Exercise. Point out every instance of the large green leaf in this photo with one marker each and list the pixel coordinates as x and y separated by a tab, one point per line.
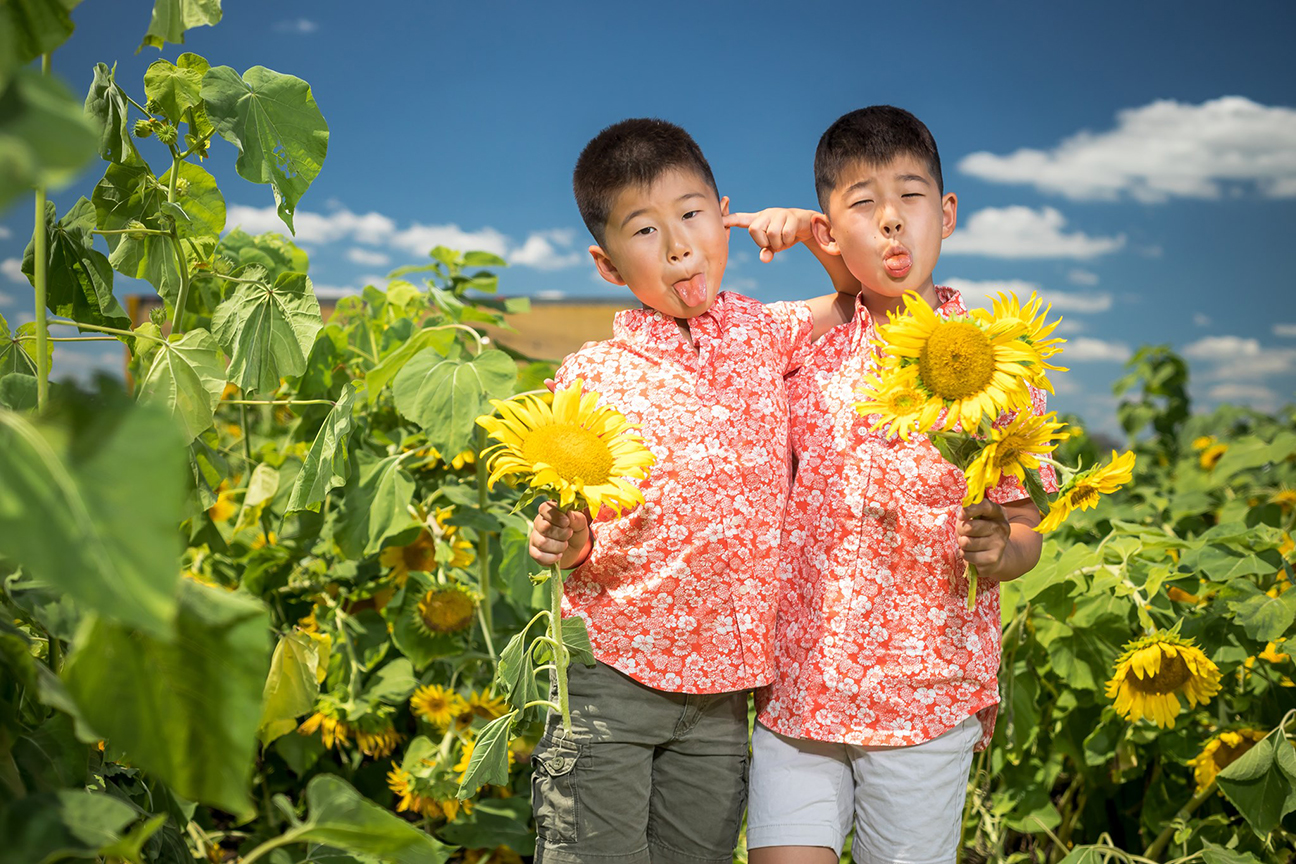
489	761
275	123
171	18
375	507
494	822
446	394
30	28
439	341
79	284
291	687
268	330
45	137
341	817
1261	783
69	823
174	88
187	377
516	673
95	515
1264	618
327	463
185	707
18	349
108	105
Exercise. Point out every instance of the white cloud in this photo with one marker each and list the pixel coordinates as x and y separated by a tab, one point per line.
368	257
5	233
1020	232
1222	348
1162	150
1085	348
1082	277
419	238
1201	319
1239	359
1255	395
372	228
1062	301
297	25
333	291
82	364
550	295
12	269
1284	329
539	250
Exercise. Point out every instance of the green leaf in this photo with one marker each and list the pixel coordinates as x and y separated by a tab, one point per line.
1087	855
45	137
341	817
292	686
1213	854
1261	783
79	284
109	107
576	638
70	823
186	377
327	463
1078	655
18	349
268	331
420	647
261	488
516	673
392	684
375	505
186	707
494	822
1264	618
31	28
483	259
171	18
489	762
18	392
437	340
275	123
446	395
174	88
111	500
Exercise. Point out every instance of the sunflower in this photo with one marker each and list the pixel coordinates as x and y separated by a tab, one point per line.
1284	498
333	732
379	742
1008	308
403	784
1220	752
1084	489
436	704
1202	442
898	403
446	608
1154	671
461	549
452	806
1012	449
975	368
1211	456
419	555
486	706
224	508
568	446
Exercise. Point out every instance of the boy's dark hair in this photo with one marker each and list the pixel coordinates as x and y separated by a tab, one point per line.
633	152
874	136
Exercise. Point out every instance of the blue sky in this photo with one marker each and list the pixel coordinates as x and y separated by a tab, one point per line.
1134	162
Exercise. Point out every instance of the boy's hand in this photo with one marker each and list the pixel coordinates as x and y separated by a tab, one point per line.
983	536
558	537
774	229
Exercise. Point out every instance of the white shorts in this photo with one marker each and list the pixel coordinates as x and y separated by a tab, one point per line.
906	802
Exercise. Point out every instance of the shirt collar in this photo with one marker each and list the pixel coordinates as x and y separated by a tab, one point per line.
864	327
649	328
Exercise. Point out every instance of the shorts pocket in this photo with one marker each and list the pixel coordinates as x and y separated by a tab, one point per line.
554	798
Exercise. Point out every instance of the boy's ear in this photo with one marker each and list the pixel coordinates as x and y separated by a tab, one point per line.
604	265
949	214
821	228
724	207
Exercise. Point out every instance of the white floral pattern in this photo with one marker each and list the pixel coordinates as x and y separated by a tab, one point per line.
680	593
875	644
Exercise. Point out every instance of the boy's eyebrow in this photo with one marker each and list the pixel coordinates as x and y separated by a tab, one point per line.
918	177
642	210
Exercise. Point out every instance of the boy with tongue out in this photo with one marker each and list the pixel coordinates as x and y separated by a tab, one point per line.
885	682
678	595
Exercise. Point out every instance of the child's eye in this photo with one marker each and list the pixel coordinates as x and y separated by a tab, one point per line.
912	195
862	202
646	230
691	214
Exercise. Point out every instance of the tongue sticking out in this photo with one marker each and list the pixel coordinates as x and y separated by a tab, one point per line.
692	291
898	265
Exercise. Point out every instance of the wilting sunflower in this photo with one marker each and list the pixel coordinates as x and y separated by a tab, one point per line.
379	740
420	555
333	732
403	784
446	608
1084	489
1154	671
580	453
1011	450
486	706
900	405
1211	456
1006	307
1221	752
976	368
436	704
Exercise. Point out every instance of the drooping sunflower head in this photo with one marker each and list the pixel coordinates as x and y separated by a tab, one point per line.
1211	456
1221	752
1012	450
461	548
900	405
486	706
1085	488
436	704
976	370
446	608
1154	671
404	784
419	555
569	448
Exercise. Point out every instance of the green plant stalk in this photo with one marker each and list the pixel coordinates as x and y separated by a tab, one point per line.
182	263
41	260
1163	838
113	330
483	543
561	657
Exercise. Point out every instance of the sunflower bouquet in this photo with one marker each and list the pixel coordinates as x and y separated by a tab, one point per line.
566	447
965	382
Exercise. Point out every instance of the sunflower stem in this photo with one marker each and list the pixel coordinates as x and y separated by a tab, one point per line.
1163	838
483	545
559	647
972	586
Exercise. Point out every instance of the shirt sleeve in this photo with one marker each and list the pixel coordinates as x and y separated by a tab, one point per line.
792	323
1009	488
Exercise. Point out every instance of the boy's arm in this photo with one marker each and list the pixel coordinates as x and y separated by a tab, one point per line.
777	228
1000	538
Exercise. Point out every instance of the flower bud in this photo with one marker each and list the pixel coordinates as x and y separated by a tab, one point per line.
166	133
135	229
143	128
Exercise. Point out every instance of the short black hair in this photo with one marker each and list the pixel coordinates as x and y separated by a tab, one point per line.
874	136
634	152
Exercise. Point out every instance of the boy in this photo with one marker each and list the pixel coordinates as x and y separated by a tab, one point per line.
678	595
885	682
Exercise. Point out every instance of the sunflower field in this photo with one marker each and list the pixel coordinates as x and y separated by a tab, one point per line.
258	600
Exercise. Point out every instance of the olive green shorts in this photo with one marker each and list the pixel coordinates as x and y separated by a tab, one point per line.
644	776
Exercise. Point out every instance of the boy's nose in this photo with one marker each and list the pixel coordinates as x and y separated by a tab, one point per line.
679	252
891	225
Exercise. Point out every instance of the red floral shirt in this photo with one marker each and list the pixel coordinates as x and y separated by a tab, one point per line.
681	593
875	644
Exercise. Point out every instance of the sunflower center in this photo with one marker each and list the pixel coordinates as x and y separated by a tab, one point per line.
958	360
1172	675
1083	495
1008	452
573	451
1227	754
446	611
904	402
